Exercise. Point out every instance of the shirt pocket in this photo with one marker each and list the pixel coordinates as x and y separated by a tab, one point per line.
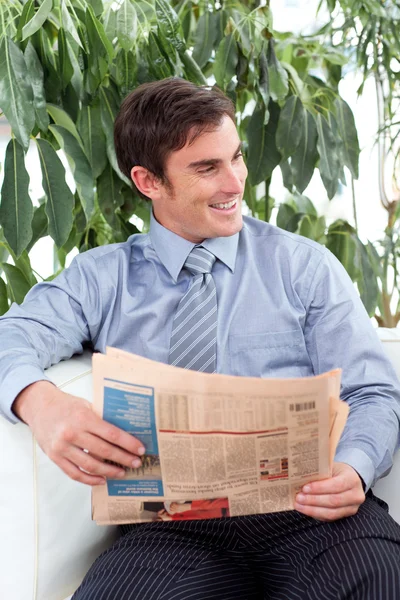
277	354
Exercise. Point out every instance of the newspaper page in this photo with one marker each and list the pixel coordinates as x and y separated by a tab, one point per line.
216	445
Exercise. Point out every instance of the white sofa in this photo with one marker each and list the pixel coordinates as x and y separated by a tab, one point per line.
47	538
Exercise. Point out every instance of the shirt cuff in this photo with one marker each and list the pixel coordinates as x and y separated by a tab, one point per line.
360	462
17	381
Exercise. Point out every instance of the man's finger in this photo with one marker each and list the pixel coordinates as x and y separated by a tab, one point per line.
348	498
91	465
104	451
327	514
118	437
77	475
333	485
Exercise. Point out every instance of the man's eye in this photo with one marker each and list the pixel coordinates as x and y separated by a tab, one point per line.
207	170
238	155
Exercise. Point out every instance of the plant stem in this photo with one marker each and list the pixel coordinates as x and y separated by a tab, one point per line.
353	194
268	209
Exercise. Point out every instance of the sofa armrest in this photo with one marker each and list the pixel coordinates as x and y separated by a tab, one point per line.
47	538
388	487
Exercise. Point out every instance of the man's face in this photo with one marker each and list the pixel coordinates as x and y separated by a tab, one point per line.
206	184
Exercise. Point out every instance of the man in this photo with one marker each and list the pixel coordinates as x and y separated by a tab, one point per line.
271	304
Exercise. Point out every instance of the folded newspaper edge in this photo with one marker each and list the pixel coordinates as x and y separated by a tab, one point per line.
216	445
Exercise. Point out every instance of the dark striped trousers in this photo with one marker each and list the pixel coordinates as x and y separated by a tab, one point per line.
282	556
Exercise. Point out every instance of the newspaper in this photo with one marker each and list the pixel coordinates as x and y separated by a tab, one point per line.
216	445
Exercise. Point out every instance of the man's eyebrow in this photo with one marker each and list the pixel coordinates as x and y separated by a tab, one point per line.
212	161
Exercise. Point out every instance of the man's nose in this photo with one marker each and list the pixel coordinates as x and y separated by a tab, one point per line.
234	181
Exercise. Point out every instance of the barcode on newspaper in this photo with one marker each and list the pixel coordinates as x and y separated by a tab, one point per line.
302	406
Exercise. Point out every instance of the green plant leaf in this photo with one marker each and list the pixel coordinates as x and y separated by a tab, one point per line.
348	133
18	286
287	217
321	230
108	110
328	159
4	249
205	36
38	19
304	159
110	23
342	242
80	167
60	117
27	13
16	96
3	297
375	260
16	208
46	54
304	205
35	71
226	59
59	198
39	226
287	176
68	23
97	36
290	126
307	227
65	68
97	6
109	196
278	77
367	283
126	71
92	134
77	76
192	70
169	27
159	63
23	263
263	155
242	75
312	227
297	83
376	8
263	81
126	25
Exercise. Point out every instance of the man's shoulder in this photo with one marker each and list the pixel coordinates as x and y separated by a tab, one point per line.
266	233
115	252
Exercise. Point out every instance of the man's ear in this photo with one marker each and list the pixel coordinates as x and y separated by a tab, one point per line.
146	182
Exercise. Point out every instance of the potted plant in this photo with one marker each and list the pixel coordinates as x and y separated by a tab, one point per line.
65	67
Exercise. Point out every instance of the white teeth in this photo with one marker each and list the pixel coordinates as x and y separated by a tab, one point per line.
226	205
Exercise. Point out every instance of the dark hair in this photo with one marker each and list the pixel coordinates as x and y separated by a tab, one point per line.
155	119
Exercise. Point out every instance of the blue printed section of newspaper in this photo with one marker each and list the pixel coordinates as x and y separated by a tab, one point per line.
131	407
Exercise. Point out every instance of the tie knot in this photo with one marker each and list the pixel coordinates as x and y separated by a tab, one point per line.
199	260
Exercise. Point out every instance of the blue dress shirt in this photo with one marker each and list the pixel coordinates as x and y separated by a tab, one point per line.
286	308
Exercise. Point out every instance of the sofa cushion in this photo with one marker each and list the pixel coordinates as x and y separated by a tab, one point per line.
48	540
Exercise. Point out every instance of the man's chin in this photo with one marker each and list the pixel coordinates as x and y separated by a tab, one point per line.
229	230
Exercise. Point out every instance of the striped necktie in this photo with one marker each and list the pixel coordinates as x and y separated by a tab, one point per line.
194	330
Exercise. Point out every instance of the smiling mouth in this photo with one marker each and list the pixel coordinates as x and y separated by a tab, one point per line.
224	205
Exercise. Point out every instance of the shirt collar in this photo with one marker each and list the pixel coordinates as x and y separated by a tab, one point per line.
173	250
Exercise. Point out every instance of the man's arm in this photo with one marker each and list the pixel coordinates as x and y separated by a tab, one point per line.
338	333
52	324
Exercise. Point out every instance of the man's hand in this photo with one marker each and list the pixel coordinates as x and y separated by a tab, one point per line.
73	436
330	499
